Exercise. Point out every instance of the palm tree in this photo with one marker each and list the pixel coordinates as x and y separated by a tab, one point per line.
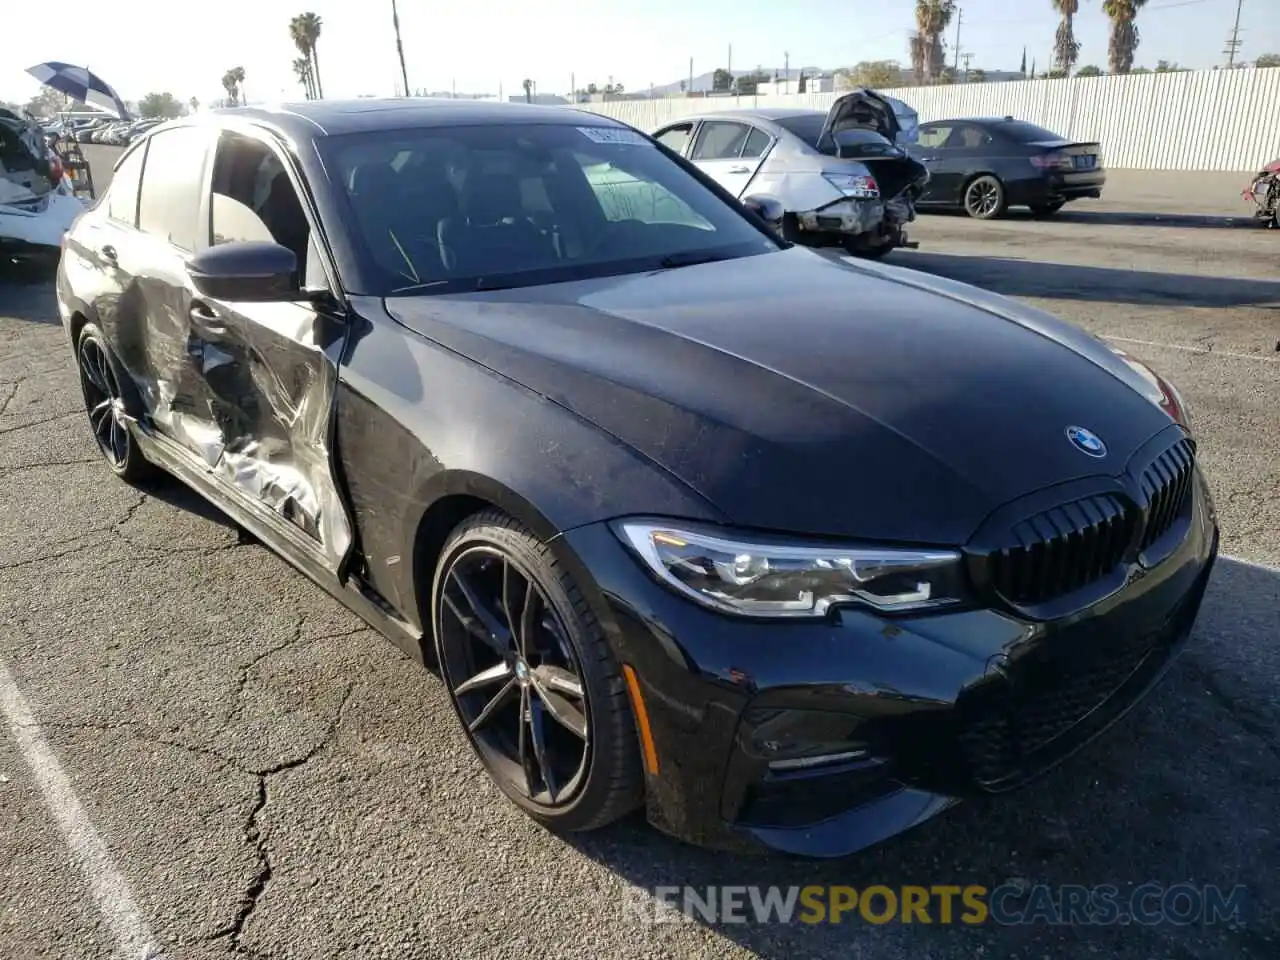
229	85
395	23
302	70
195	104
298	34
237	74
528	90
1065	48
928	53
1124	33
305	31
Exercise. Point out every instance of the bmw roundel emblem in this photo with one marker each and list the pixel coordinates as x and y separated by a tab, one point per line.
1086	441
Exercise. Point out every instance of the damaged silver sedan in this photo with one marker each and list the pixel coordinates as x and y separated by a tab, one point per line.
842	177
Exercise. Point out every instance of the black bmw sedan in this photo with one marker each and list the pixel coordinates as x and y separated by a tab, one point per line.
985	165
791	553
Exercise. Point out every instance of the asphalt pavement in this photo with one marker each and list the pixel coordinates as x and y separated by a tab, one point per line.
226	760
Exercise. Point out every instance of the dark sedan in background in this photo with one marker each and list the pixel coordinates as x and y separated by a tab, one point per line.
790	552
984	166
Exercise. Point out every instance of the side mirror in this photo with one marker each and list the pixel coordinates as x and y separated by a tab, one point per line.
767	209
249	270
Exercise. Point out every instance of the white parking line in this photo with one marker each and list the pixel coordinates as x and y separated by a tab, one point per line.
110	890
1189	349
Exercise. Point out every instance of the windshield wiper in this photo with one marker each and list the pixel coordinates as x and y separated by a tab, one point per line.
691	258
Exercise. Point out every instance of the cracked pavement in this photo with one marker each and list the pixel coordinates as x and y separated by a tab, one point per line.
275	780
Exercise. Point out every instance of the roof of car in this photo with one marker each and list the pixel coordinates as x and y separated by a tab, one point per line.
770	114
313	118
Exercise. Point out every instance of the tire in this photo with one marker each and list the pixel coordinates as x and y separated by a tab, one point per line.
492	555
984	198
101	383
1043	210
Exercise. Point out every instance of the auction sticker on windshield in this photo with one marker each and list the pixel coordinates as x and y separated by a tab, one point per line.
612	135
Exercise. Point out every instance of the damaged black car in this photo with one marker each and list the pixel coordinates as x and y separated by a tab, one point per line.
790	553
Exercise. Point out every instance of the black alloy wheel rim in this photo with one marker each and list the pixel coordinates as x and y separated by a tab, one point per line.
103	400
513	675
984	196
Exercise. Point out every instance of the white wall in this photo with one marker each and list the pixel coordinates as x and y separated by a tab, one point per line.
1201	120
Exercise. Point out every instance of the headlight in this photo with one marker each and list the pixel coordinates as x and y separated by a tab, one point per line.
1163	393
757	577
852	185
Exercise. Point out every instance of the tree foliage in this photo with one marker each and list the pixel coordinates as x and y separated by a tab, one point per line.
163	105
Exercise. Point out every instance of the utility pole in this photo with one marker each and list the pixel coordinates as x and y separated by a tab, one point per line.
691	76
967	57
395	23
959	20
1233	44
786	70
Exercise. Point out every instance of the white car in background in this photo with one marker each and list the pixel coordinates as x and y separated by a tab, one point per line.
842	177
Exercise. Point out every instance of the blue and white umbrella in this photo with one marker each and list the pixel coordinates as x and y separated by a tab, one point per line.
79	84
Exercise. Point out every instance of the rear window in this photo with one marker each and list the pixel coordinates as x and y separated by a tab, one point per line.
1024	132
806	126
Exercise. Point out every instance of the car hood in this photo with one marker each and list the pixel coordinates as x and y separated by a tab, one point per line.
800	394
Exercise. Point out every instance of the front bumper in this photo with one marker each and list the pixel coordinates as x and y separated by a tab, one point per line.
911	712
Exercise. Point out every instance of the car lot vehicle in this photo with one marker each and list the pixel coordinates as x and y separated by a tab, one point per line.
983	166
1263	192
37	201
791	552
843	177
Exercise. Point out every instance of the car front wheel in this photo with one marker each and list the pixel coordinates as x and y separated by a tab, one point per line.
532	677
104	401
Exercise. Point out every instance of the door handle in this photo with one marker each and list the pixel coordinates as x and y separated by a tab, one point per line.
204	319
739	169
109	254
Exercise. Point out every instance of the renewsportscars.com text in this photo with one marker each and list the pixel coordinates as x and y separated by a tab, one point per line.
1010	904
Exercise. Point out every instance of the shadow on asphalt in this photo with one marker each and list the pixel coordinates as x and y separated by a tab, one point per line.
1065	281
1122	218
27	293
1158	798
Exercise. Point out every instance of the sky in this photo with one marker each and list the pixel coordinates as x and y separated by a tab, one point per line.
480	46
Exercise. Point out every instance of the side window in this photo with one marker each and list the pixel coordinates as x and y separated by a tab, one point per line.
676	138
169	205
122	195
720	140
757	142
254	199
968	137
933	136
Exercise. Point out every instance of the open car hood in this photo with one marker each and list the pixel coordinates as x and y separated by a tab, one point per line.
868	110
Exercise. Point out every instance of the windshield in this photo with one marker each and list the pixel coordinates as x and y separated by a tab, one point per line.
449	209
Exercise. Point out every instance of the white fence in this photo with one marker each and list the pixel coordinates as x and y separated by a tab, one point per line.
1201	120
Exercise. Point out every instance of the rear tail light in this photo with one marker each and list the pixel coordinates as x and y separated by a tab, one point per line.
1053	161
854	185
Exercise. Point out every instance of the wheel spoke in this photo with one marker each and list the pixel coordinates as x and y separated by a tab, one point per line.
500	700
485	678
119	439
561	710
558	679
499	636
524	746
527	622
100	418
538	734
92	371
104	372
508	600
